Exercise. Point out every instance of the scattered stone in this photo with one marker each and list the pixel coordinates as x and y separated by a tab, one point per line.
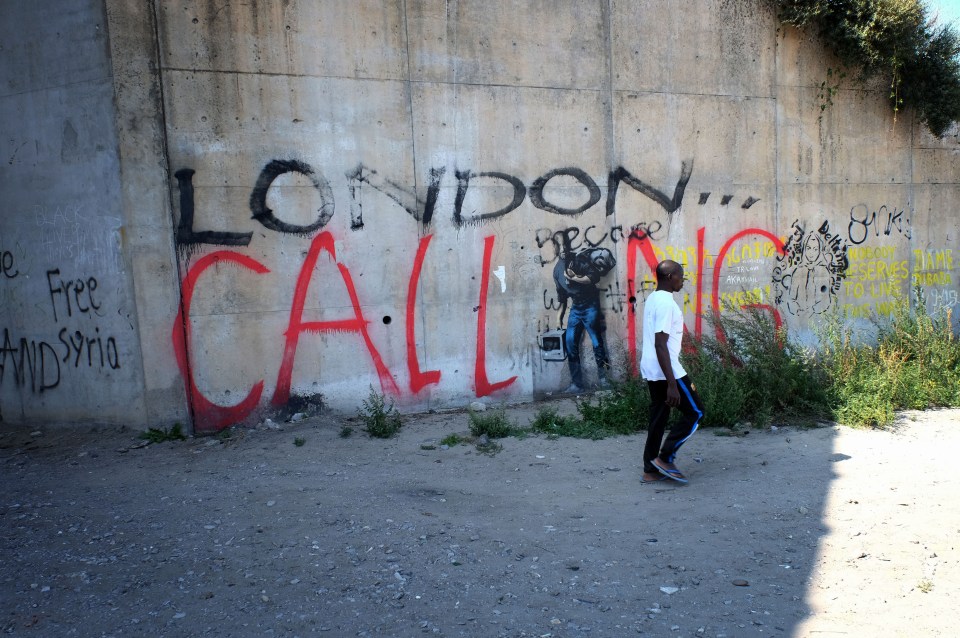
478	406
739	582
669	590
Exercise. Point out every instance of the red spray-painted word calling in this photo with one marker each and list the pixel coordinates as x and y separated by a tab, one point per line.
209	416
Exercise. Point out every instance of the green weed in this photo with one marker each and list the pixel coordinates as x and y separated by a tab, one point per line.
494	424
299	441
751	371
451	439
914	364
156	435
382	419
624	409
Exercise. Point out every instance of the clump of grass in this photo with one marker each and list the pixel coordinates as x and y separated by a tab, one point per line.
493	424
346	431
299	441
751	371
157	435
926	586
381	418
548	421
624	409
451	439
915	364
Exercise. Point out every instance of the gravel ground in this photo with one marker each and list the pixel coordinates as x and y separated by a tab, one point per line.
782	532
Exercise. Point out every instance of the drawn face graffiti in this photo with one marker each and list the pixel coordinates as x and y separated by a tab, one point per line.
808	275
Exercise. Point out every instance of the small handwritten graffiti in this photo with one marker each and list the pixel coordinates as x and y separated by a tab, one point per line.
862	219
34	362
72	294
940	301
8	268
553	243
808	275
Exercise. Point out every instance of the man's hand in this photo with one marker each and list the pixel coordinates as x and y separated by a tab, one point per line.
673	394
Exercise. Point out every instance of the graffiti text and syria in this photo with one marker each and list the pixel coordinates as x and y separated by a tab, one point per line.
39	364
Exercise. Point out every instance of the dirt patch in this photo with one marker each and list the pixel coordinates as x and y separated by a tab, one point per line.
780	532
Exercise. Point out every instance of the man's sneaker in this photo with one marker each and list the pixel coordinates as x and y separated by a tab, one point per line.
573	388
603	384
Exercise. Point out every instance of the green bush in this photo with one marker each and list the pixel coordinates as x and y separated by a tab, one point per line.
624	409
494	424
382	420
895	40
915	364
754	373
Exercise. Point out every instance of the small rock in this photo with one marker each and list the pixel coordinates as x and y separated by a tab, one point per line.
669	590
271	503
478	406
36	433
299	416
739	582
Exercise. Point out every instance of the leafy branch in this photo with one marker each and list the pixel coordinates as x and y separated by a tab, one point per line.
894	39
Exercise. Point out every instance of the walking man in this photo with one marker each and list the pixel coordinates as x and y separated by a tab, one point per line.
669	385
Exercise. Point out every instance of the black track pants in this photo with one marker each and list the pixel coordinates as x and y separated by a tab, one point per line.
692	410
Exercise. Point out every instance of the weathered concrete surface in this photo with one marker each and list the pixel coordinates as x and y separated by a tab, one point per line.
71	347
374	195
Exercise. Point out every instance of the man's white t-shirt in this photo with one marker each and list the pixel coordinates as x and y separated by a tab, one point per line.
661	314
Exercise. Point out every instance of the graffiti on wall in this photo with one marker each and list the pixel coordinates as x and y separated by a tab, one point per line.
809	273
39	364
803	274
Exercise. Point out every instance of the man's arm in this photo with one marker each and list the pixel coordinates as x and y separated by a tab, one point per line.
663	358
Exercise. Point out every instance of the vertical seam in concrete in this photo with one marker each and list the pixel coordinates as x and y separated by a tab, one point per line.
777	186
608	123
413	140
162	108
911	193
607	9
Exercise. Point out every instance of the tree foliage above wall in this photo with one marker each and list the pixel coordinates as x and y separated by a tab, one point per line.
894	39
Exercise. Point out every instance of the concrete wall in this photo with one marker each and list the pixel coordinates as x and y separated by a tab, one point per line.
364	195
71	349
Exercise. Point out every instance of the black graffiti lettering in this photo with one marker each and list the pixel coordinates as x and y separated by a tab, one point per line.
620	174
536	191
590	242
6	265
643	230
71	294
406	199
44	349
76	340
97	354
34	359
463	183
273	170
113	357
858	228
550	303
185	233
